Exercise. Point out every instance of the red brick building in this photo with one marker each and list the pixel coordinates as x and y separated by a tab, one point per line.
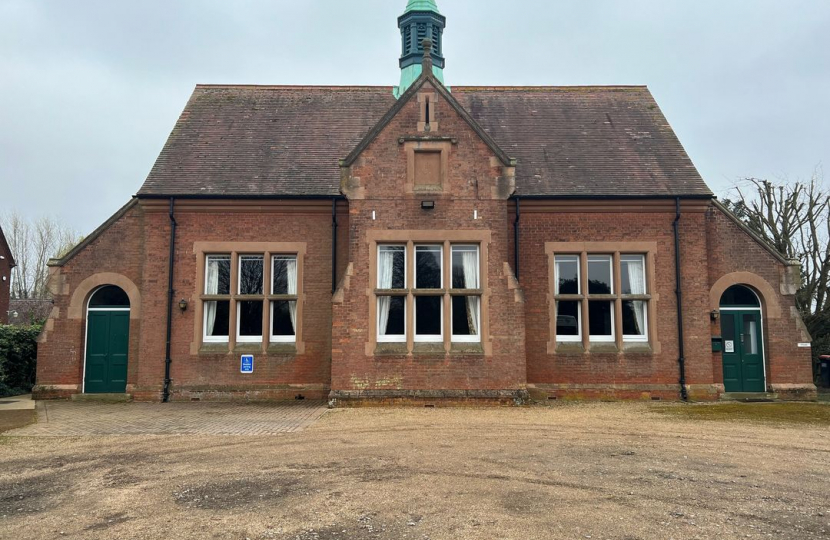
6	265
472	244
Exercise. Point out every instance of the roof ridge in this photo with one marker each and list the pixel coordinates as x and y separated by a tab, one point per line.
556	87
296	86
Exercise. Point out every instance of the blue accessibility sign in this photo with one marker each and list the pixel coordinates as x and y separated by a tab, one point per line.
247	363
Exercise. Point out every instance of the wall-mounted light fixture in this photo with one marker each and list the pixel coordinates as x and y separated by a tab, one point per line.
183	305
714	315
427	205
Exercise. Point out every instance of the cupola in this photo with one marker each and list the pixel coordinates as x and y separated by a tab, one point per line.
420	21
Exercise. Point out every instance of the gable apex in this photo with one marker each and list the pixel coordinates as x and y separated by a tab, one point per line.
425	77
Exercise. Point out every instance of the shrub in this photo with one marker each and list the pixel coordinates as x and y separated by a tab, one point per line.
18	358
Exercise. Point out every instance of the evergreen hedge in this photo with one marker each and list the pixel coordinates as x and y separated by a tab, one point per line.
18	358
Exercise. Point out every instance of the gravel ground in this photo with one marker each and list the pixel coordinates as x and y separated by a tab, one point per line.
599	471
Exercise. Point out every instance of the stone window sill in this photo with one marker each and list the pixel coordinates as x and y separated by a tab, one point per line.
391	349
467	349
208	349
282	348
248	348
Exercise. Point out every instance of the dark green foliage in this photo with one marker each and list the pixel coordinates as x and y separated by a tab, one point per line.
18	358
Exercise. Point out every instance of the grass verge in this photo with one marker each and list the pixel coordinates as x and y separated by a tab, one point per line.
779	413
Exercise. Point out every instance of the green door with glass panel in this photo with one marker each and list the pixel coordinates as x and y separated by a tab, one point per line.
107	342
743	356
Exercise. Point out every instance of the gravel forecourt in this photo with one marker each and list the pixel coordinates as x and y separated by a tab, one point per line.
571	471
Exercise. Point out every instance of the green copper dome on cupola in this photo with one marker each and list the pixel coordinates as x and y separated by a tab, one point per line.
420	21
421	5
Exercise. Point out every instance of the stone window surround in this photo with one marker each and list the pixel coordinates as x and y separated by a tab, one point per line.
235	249
446	238
615	249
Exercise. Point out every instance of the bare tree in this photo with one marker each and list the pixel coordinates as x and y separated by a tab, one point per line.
794	218
33	243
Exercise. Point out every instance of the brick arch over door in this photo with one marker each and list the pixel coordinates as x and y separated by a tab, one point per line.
767	294
77	304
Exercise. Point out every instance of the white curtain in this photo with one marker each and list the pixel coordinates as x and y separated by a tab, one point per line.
469	260
385	263
636	277
211	288
291	270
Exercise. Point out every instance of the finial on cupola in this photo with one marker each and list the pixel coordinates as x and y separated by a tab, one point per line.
426	63
420	22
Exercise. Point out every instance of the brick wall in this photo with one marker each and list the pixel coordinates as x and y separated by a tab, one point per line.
118	250
377	182
5	283
788	366
652	374
217	376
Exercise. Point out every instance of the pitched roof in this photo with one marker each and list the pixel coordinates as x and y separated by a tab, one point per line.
572	141
284	141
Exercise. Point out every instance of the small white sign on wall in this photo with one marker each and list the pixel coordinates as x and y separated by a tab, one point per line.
805	345
729	346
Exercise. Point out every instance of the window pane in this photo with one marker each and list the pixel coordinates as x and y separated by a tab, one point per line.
250	274
391	267
599	319
567	274
599	274
391	318
750	338
738	295
428	315
284	275
218	275
283	318
110	296
465	267
634	318
567	318
427	267
217	318
465	315
633	274
250	319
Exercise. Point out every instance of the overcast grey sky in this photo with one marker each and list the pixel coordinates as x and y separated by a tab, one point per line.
90	89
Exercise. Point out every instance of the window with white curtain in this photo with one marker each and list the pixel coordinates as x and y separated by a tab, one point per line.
284	298
391	293
423	297
235	297
634	312
599	297
466	294
217	293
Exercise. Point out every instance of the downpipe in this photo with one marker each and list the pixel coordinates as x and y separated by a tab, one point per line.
333	245
170	293
679	292
516	238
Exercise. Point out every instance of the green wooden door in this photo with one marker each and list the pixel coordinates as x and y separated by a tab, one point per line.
107	342
743	358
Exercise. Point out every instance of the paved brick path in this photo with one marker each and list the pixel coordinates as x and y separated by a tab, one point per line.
59	418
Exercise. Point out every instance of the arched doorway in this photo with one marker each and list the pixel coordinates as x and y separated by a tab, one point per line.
107	341
743	341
